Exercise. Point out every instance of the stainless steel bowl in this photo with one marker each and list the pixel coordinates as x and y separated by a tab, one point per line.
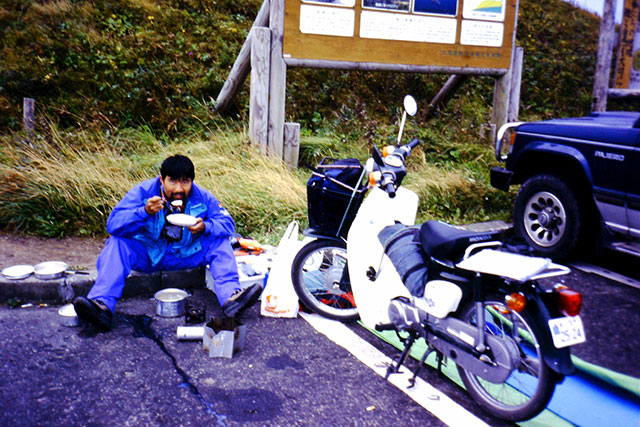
170	302
68	316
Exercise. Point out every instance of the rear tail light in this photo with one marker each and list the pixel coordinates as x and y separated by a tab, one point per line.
569	301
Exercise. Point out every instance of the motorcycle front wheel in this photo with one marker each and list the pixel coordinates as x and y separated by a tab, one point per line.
321	279
530	386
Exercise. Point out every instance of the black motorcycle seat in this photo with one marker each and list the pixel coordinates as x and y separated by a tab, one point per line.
447	242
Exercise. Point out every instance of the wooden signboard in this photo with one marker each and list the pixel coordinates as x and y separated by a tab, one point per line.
457	36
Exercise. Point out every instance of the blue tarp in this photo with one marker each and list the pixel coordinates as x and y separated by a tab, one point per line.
594	396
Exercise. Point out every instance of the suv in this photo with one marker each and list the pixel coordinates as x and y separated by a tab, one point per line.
580	182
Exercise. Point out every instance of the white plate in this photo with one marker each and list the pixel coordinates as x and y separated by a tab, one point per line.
182	220
17	272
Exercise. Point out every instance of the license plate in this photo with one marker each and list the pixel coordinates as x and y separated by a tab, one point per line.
567	331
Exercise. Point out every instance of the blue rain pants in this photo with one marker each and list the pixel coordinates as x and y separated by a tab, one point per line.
121	255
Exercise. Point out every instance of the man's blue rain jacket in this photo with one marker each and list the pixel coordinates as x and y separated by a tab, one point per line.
129	219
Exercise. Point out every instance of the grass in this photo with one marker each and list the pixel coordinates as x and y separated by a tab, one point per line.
60	183
67	183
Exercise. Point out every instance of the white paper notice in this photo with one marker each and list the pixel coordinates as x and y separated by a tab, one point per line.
328	21
478	33
396	26
489	10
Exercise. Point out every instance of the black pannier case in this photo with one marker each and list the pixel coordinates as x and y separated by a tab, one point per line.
334	194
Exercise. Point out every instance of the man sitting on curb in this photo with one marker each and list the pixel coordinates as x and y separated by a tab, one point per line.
143	240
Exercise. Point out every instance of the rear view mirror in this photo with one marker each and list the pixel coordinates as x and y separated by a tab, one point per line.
410	105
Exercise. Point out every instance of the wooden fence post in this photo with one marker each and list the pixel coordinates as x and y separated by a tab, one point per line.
259	92
516	79
501	93
28	114
240	68
291	144
278	81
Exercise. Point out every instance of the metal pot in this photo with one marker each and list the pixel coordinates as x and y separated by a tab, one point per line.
170	302
50	270
68	316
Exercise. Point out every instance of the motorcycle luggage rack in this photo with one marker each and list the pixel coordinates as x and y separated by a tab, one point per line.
512	265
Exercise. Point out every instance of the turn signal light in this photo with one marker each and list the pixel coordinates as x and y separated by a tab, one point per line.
389	149
512	139
374	177
516	301
569	301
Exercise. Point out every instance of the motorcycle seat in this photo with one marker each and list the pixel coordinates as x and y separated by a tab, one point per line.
448	242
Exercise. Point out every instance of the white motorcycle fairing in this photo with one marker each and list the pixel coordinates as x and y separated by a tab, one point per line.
364	251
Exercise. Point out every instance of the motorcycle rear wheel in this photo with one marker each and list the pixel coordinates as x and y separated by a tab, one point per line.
321	279
530	386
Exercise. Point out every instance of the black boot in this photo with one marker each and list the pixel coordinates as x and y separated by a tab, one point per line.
93	312
241	300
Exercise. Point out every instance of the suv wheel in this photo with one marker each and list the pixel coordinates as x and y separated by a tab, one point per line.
547	215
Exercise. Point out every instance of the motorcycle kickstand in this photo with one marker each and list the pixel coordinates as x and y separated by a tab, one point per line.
428	351
439	359
393	369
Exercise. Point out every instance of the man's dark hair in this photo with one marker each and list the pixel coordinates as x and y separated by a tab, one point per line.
177	167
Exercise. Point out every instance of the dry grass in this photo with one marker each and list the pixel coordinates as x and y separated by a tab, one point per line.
66	184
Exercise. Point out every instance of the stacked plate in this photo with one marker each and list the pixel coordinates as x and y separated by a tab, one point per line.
18	272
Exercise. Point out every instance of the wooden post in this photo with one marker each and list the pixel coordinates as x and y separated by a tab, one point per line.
28	114
278	81
240	68
259	92
443	96
603	64
501	93
516	79
291	144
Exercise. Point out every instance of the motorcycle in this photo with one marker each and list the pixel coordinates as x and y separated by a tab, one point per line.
475	298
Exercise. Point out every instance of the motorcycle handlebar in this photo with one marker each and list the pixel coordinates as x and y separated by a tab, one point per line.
390	189
414	143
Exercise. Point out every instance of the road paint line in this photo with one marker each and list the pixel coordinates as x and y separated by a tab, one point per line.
607	274
427	396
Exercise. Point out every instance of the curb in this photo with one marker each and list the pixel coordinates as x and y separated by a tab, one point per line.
65	289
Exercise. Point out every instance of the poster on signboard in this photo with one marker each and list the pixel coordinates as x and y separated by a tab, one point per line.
481	33
398	5
436	7
346	3
487	10
396	26
328	21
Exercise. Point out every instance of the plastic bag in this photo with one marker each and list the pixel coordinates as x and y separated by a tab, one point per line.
279	299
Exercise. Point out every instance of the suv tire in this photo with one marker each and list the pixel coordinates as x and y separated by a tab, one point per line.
547	215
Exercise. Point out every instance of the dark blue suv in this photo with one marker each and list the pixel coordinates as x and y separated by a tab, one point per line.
580	182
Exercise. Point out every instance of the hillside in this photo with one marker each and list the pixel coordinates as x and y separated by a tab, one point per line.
142	62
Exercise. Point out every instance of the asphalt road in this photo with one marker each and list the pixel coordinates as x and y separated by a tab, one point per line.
287	374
